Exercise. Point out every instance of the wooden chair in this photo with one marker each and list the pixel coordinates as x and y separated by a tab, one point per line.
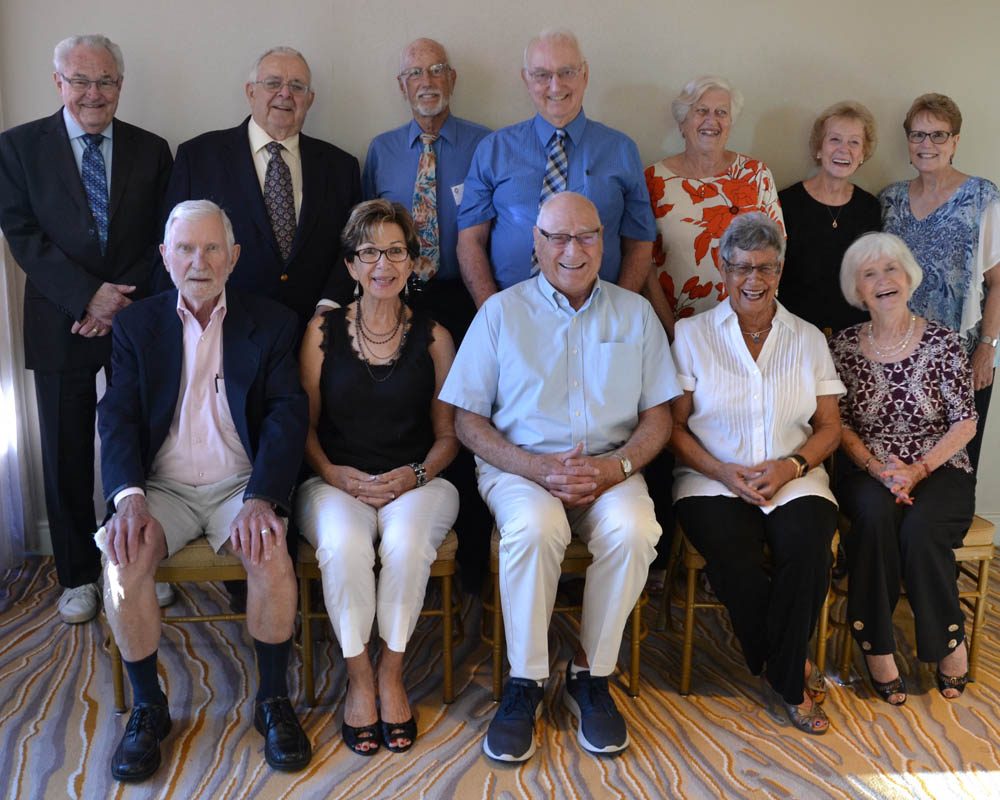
195	562
575	562
443	567
973	560
681	550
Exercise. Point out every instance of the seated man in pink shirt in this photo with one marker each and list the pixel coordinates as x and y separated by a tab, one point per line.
202	432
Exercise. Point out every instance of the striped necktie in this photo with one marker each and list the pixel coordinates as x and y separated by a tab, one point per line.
555	179
95	183
279	199
425	214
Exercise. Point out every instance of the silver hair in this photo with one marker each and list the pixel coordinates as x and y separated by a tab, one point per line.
199	209
277	51
556	35
752	231
693	90
870	247
93	41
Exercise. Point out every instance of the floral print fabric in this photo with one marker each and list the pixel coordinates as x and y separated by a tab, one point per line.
691	216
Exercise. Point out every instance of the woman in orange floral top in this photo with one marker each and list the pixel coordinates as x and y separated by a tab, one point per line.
696	194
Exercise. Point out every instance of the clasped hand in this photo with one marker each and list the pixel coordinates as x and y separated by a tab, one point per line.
575	479
375	490
106	302
758	483
900	478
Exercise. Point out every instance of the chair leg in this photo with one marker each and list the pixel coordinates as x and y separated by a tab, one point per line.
688	645
845	656
497	641
663	618
978	616
307	643
446	638
633	676
823	632
117	678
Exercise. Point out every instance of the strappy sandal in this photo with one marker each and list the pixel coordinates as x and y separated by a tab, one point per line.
888	689
354	737
957	682
815	685
805	721
399	730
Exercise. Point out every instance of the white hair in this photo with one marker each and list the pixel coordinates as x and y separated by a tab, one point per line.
871	247
693	90
553	35
199	209
93	41
277	51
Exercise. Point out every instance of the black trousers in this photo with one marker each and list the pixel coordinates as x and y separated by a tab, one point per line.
774	606
67	409
890	542
982	401
659	475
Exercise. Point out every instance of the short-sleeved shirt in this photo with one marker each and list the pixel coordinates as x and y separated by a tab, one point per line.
746	411
904	408
505	181
549	377
391	171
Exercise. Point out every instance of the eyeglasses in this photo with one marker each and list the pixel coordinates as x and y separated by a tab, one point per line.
104	85
371	255
275	84
434	70
938	137
561	240
543	76
744	270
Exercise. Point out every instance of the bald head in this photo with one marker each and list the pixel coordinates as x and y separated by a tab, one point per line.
569	246
428	94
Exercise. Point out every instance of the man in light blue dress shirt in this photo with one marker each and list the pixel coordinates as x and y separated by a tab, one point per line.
504	183
427	81
562	387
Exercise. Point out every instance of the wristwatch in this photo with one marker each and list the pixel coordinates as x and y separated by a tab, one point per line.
420	471
801	465
991	341
626	464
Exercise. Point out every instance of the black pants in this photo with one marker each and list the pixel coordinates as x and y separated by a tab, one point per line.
67	408
660	481
773	606
982	401
889	542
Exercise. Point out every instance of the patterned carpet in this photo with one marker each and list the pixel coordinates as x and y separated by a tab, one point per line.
58	730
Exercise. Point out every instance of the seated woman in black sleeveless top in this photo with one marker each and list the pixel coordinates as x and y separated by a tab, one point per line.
378	440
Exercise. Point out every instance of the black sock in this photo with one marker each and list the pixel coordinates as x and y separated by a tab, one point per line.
272	663
144	680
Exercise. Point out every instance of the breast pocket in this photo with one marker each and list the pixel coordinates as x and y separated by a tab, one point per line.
616	378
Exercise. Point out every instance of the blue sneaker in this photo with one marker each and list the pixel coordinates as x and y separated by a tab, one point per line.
600	726
511	734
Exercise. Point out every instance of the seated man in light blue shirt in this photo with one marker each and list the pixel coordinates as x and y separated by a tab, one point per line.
562	386
507	180
393	168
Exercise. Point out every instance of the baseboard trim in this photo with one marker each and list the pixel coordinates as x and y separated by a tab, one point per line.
995	519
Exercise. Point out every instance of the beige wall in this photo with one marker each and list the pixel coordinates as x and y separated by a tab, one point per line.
186	63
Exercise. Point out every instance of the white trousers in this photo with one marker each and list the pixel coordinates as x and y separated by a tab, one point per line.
344	531
620	530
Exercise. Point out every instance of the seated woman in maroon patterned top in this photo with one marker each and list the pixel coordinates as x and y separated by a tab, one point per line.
907	416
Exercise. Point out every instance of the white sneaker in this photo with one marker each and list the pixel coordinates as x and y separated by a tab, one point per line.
80	604
165	594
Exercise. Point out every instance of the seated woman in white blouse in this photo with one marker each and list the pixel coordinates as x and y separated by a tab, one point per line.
757	418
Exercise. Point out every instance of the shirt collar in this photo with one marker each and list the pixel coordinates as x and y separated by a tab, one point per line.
574	130
220	306
558	301
447	132
74	131
260	138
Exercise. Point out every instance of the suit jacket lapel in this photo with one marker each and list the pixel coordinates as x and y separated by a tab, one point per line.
312	193
122	155
59	153
245	176
163	362
240	362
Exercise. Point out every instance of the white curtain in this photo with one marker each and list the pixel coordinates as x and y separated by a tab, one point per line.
14	498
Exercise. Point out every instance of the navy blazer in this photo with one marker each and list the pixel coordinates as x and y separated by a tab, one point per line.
269	408
219	166
45	216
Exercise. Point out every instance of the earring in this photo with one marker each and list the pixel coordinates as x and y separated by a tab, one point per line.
406	291
357	290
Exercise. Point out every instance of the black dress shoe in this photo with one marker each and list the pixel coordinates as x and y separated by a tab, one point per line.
286	746
138	753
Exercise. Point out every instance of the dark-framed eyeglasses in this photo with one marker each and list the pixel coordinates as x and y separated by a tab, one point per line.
275	84
104	85
744	270
434	71
371	255
544	76
560	240
938	137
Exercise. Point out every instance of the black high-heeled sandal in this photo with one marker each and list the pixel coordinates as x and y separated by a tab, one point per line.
957	682
888	689
399	730
354	737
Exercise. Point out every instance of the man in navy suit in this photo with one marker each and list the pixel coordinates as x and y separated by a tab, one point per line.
288	194
80	198
202	432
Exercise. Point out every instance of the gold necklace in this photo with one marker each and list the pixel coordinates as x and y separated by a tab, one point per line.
755	335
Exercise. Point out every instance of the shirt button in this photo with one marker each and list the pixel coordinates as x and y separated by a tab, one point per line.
576	383
201	474
578	413
284	276
574	351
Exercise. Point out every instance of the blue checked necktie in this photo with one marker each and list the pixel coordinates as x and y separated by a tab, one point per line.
425	213
279	199
555	179
95	183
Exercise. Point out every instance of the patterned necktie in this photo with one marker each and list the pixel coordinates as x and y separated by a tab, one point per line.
425	214
279	199
95	183
555	179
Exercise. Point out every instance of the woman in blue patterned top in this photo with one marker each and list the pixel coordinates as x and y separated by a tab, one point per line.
951	222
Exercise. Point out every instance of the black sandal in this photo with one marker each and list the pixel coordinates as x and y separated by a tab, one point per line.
399	730
957	682
888	689
354	737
